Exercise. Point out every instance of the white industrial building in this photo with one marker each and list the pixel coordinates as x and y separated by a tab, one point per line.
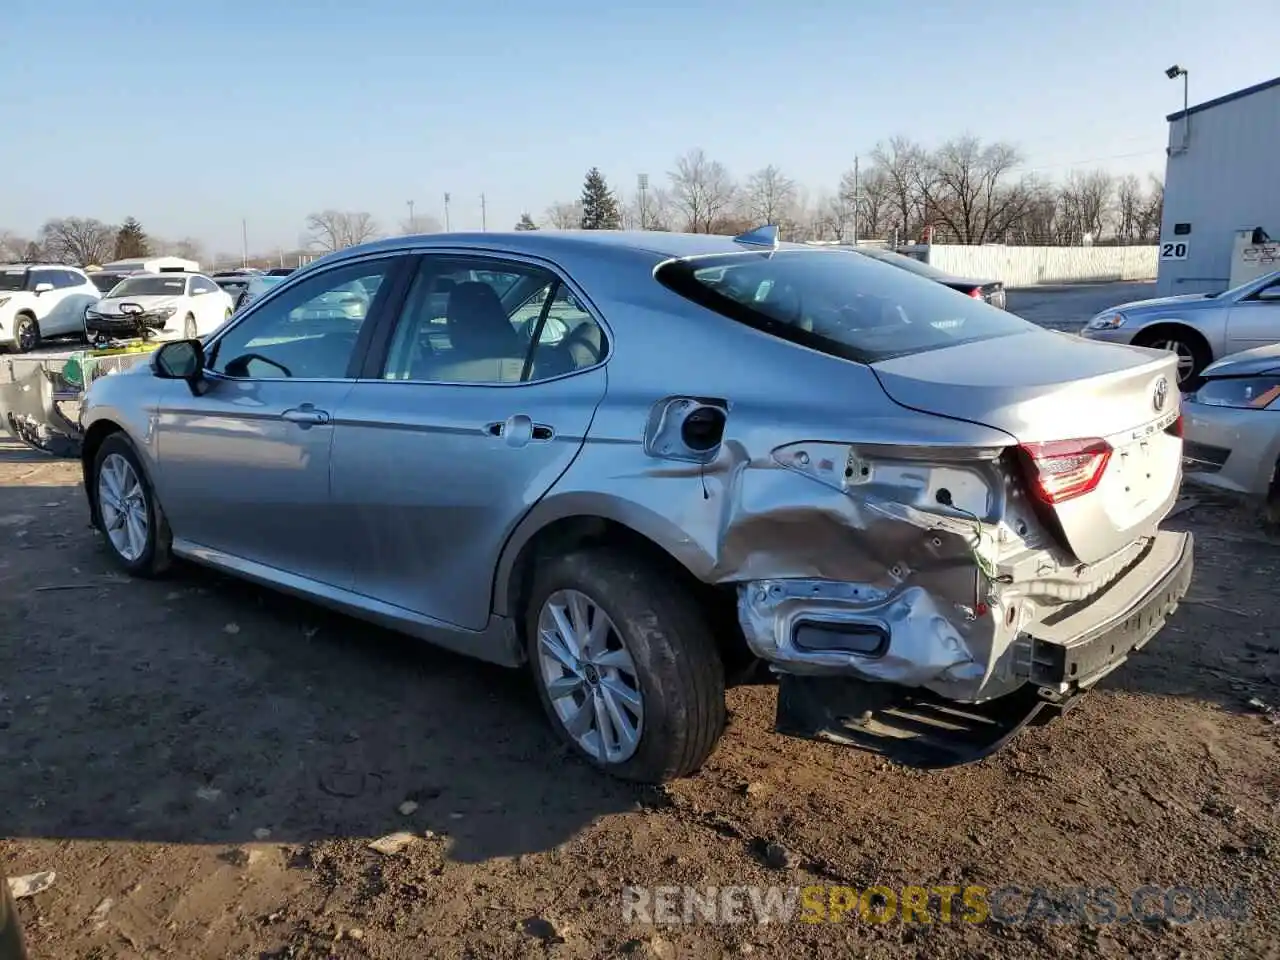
1221	191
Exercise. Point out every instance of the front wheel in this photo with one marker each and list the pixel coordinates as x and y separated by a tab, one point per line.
128	514
1192	356
26	333
625	664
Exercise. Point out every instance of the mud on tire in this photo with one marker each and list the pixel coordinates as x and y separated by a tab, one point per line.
678	667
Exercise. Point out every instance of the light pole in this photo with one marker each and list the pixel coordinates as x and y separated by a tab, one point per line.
1173	73
413	226
484	222
642	183
446	213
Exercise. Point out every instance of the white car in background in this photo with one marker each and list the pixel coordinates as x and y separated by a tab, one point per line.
42	300
169	305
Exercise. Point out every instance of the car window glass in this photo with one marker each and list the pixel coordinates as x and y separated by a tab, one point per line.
309	331
473	321
38	277
467	321
68	279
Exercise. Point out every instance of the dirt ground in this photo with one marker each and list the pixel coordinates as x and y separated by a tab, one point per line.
203	764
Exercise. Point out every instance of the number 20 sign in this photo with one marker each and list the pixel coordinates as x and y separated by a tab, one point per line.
1173	250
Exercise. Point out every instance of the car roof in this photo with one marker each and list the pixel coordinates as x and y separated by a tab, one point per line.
549	243
41	266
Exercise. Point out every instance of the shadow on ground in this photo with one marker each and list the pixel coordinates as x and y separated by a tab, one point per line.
203	710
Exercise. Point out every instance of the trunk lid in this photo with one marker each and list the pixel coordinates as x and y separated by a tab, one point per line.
1094	424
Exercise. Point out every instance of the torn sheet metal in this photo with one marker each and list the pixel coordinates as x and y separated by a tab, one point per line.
33	401
935	546
40	396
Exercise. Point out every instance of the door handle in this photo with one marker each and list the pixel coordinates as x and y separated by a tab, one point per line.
305	415
519	430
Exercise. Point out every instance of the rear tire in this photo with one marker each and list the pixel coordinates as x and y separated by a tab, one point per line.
26	333
653	663
149	555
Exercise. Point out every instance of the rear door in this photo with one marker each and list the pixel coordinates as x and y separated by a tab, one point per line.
479	400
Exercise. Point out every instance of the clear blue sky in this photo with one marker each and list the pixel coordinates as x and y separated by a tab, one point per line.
191	116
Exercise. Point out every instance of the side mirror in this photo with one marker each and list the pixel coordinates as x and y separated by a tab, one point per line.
181	360
42	288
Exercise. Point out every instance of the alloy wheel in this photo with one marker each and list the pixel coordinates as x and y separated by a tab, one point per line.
122	502
1186	359
589	676
26	334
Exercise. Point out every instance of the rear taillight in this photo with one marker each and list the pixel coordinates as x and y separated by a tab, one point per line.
1062	469
1175	428
976	293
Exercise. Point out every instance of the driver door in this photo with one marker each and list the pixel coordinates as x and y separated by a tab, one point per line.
244	468
1254	320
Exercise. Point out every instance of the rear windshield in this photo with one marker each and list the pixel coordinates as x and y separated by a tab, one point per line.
837	301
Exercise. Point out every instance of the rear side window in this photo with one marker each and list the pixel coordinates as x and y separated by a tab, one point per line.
838	302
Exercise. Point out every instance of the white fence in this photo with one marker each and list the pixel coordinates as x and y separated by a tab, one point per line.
1031	266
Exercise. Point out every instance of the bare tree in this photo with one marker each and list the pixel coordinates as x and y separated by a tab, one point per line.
565	215
903	163
1086	203
969	188
13	248
78	240
701	189
875	201
331	230
1152	211
420	224
1128	207
770	196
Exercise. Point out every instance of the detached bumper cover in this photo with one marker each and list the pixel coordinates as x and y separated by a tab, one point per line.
1062	656
916	727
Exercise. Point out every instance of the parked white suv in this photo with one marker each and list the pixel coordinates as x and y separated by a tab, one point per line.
42	300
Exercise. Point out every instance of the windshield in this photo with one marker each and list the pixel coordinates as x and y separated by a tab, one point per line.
847	306
151	287
13	279
911	264
1233	292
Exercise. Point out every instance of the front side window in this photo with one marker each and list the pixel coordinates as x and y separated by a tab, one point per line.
837	302
309	331
201	285
482	321
38	277
66	279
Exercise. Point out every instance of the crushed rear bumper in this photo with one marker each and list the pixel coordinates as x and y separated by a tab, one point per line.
1058	659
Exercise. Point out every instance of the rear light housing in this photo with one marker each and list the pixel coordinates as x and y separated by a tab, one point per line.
1062	470
976	293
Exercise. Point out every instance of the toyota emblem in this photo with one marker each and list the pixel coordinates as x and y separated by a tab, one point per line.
1161	394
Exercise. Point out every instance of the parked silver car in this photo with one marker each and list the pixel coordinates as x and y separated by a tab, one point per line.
1198	327
934	521
1233	427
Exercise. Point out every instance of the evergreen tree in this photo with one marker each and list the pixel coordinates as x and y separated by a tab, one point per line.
526	223
599	208
131	242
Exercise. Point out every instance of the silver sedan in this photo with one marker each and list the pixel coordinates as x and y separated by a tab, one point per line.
1232	428
1198	327
644	464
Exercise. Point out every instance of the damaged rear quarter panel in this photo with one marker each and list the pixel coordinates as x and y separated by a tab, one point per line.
754	515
